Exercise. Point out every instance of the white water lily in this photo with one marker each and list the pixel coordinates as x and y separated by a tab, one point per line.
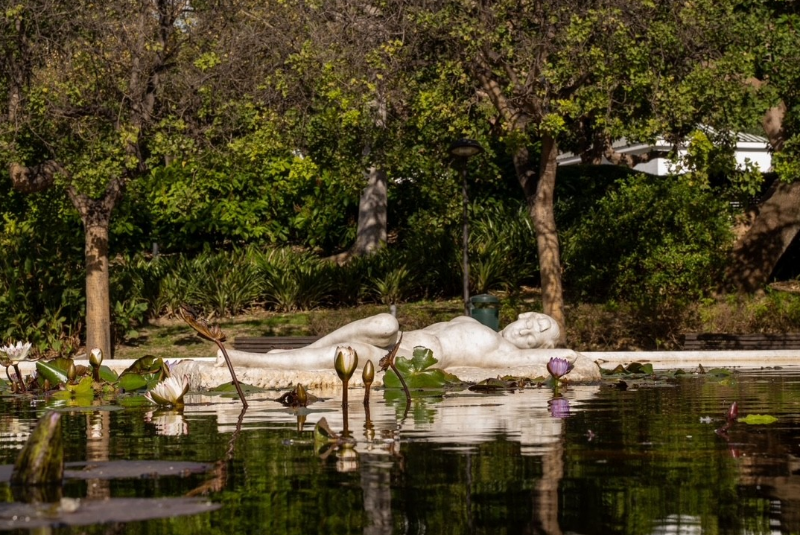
170	391
16	353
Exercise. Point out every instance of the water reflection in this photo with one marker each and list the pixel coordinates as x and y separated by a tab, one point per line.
657	458
388	441
169	422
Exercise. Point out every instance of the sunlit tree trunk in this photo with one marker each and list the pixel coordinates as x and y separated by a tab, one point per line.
371	233
98	308
539	191
544	221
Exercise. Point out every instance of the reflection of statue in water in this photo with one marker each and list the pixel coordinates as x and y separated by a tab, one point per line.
462	341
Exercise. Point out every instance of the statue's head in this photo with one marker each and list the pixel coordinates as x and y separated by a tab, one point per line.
532	330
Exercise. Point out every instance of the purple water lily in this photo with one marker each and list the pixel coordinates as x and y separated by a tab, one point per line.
559	367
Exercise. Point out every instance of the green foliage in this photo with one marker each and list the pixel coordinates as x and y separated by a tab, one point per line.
293	280
41	271
418	372
658	242
502	247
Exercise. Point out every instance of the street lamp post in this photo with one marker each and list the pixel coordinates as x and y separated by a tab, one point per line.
462	150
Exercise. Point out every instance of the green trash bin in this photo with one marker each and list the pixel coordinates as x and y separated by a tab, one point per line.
486	309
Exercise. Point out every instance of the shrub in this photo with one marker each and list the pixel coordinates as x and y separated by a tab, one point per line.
293	280
657	242
502	248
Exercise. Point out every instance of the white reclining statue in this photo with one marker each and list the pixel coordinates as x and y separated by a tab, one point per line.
460	342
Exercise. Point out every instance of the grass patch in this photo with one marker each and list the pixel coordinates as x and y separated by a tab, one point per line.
608	326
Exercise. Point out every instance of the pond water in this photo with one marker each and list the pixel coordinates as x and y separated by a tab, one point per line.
655	457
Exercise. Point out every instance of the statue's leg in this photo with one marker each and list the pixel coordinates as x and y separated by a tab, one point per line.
304	358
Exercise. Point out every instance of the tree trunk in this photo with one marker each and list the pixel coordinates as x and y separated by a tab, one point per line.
757	252
98	308
539	193
371	232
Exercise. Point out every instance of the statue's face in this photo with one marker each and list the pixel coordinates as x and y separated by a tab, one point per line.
532	330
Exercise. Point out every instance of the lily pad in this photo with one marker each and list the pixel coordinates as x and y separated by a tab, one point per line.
108	375
82	388
86	512
418	372
145	372
758	419
83	470
229	388
634	368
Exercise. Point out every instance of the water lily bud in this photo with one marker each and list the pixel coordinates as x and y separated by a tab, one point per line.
72	372
302	395
368	374
96	357
345	362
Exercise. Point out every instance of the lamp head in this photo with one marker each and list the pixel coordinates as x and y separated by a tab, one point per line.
465	148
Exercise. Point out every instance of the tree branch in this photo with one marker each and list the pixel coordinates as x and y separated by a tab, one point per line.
34	178
631	160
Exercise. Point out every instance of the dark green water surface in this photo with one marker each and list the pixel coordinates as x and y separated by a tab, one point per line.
651	459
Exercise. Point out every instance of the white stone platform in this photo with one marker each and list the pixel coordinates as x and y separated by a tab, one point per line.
204	372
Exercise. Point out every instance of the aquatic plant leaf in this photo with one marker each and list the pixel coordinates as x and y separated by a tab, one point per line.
132	381
107	470
634	368
146	365
497	384
145	372
82	388
88	512
422	358
323	434
53	370
108	375
418	373
230	388
758	419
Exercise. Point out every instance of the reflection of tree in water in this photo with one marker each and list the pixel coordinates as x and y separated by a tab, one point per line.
486	487
656	462
98	432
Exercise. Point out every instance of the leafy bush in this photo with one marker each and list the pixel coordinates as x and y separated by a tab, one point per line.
293	280
503	254
224	283
658	242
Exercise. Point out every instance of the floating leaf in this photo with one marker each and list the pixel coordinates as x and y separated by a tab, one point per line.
498	385
106	511
146	365
758	419
229	389
145	372
82	388
418	373
108	375
132	381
